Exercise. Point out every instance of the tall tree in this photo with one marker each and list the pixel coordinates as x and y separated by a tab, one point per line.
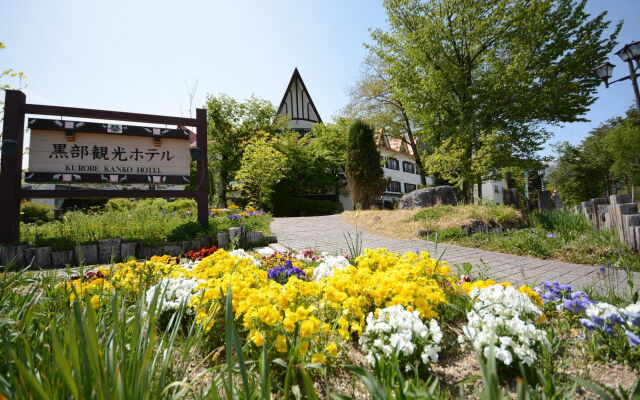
365	178
261	168
233	124
373	97
482	76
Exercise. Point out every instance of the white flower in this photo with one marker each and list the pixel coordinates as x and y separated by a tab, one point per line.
264	251
328	266
503	309
402	332
173	293
240	253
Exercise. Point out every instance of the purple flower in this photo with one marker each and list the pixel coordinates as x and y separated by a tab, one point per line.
615	318
234	217
551	286
551	235
564	288
588	324
579	295
602	269
633	339
575	305
550	296
599	321
283	272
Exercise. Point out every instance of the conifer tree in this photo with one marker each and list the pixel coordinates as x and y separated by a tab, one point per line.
365	178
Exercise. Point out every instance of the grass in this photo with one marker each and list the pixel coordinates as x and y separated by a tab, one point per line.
151	222
557	235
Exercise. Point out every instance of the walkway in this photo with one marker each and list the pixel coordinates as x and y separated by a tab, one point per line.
327	233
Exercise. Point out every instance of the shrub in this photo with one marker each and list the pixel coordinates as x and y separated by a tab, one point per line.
35	213
182	205
119	205
560	221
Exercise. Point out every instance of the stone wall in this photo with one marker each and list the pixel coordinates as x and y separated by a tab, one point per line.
115	250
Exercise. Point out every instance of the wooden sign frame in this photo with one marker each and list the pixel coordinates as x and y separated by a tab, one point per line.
15	110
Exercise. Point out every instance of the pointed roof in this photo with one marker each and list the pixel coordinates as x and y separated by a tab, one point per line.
296	102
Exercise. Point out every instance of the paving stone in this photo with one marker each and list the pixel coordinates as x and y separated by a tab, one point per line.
327	233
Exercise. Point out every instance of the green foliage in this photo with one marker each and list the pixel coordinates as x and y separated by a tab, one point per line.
365	177
150	221
560	221
262	167
119	205
492	215
62	350
35	213
606	158
231	126
480	77
293	206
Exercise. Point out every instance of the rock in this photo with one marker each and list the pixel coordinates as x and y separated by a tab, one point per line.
187	245
109	250
42	257
223	240
428	197
87	254
128	250
545	202
271	239
422	233
254	237
61	258
475	226
14	255
148	252
172	250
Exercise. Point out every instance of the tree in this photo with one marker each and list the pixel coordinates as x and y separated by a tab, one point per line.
9	73
365	178
261	168
480	77
231	126
373	97
623	143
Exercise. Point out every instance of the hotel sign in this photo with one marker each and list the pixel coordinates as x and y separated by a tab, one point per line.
85	152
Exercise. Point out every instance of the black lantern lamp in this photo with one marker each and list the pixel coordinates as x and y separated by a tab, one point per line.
196	153
604	72
628	54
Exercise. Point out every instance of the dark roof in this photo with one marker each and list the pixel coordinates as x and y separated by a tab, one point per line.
296	75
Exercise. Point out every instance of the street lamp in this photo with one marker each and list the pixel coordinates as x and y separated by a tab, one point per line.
628	53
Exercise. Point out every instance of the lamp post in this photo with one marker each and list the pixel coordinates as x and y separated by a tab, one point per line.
628	53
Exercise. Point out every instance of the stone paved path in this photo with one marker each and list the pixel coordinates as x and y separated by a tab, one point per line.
327	233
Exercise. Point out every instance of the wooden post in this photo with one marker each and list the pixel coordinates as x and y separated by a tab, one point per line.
11	166
202	189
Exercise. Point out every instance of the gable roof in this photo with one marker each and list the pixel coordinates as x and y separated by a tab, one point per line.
296	102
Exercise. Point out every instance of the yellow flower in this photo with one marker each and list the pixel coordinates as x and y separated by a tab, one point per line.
95	302
532	294
304	347
319	358
332	349
281	344
258	339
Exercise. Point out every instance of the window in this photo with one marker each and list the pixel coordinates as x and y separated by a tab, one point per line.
394	187
392	163
495	189
409	187
408	167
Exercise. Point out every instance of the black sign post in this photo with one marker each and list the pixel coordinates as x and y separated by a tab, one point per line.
16	109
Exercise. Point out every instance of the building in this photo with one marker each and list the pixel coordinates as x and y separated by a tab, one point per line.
298	106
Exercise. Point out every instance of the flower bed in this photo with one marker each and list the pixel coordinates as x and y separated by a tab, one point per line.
301	317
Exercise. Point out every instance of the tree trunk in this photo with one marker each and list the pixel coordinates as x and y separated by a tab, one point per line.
479	191
414	149
222	189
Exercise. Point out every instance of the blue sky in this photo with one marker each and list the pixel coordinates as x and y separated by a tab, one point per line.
137	55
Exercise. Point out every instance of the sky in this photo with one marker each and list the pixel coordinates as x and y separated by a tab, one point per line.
143	56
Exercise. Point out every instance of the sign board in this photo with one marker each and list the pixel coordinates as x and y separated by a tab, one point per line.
85	152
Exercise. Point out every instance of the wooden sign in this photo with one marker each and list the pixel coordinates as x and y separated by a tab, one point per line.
85	152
